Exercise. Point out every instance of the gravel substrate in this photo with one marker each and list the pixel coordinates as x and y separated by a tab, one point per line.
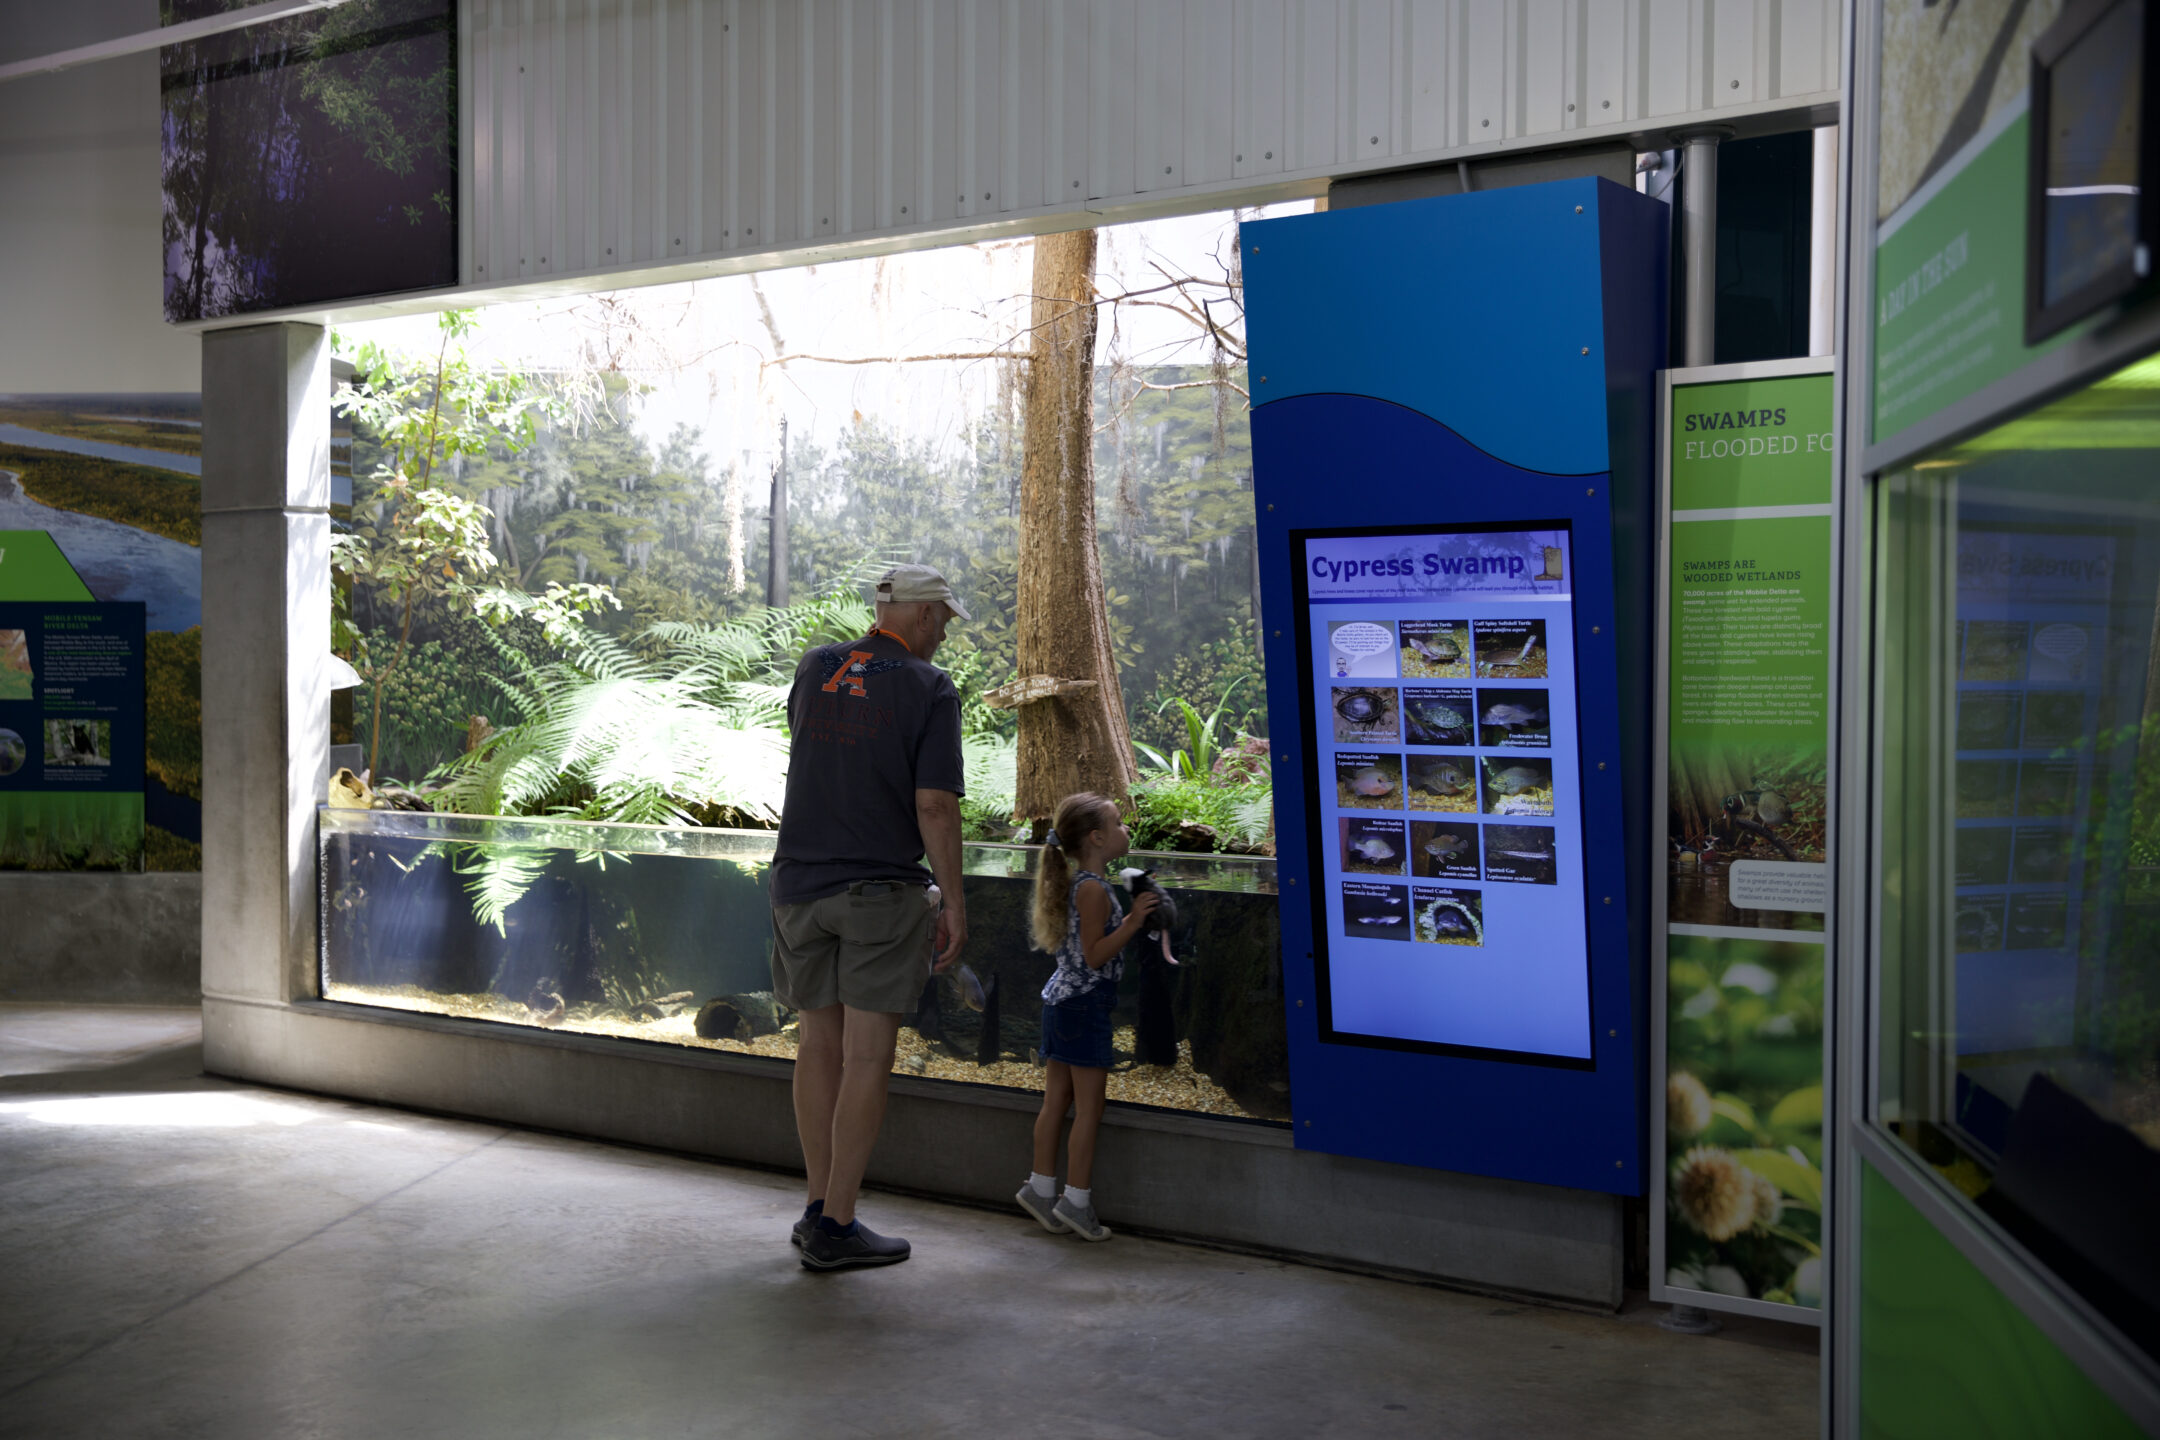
1172	1087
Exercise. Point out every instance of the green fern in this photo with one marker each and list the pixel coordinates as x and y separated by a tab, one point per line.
684	725
991	768
497	877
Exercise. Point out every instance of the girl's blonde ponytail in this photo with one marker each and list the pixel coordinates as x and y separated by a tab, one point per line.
1078	816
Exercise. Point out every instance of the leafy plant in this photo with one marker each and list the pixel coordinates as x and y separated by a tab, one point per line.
1196	759
417	544
605	734
1164	803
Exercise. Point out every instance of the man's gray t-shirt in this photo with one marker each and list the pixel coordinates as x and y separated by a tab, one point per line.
871	725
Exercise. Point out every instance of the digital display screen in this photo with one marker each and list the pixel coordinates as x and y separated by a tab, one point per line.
1439	673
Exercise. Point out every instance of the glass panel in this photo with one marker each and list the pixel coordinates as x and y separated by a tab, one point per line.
663	934
2018	713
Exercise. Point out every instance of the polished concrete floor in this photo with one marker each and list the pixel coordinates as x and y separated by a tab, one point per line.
183	1256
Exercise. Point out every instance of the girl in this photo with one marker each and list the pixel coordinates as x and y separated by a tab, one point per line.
1078	919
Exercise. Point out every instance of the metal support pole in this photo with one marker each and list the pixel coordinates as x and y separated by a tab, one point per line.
1698	210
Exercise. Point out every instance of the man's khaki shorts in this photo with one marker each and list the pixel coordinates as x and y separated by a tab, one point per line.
867	947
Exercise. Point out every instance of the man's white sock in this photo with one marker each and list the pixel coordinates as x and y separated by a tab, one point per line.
1043	1185
1078	1197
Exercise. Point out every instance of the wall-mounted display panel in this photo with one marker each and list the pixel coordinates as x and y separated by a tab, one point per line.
1444	769
1451	437
1742	960
309	160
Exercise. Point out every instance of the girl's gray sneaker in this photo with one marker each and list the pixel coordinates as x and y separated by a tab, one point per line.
1080	1219
1042	1207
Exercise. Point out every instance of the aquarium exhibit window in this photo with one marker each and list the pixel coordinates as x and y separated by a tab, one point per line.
1438	666
662	935
2019	892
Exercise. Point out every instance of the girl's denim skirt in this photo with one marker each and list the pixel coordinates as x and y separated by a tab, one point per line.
1077	1031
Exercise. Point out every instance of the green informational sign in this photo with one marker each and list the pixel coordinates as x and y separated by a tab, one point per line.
1748	585
71	716
1950	287
32	568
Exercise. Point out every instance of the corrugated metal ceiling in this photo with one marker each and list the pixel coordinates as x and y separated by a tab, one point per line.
668	136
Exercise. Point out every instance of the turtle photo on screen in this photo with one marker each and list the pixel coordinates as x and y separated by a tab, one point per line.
1366	712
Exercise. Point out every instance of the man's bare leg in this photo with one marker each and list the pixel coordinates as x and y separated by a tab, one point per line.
867	1045
818	1058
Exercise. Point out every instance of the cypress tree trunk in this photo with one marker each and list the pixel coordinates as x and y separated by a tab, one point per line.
1079	741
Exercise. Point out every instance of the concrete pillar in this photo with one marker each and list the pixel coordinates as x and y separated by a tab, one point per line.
1698	211
266	647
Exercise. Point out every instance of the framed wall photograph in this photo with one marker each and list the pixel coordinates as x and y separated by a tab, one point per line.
309	160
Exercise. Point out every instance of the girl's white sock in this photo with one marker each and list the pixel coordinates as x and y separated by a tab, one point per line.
1043	1185
1078	1197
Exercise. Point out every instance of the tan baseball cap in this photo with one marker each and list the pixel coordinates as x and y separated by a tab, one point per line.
917	585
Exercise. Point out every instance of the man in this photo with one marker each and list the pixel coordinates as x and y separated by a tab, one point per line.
874	782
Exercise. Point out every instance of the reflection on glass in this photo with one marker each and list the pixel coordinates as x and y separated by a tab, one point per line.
2094	98
657	934
2019	576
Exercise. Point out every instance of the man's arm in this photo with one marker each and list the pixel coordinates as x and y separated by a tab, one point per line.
937	812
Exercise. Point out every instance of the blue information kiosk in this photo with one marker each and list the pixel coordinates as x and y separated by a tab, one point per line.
1453	416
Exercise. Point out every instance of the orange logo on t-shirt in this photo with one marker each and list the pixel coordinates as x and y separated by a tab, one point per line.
850	675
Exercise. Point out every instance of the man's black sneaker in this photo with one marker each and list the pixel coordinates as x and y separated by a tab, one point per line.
823	1250
802	1230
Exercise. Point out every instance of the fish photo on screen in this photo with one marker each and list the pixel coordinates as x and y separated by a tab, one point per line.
2037	922
1514	719
1517	787
2047	788
1368	780
1375	912
1986	789
1435	649
1521	854
1995	650
2053	719
1372	847
1446	783
1444	849
1988	719
1366	712
2043	855
1978	924
1448	915
1982	854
